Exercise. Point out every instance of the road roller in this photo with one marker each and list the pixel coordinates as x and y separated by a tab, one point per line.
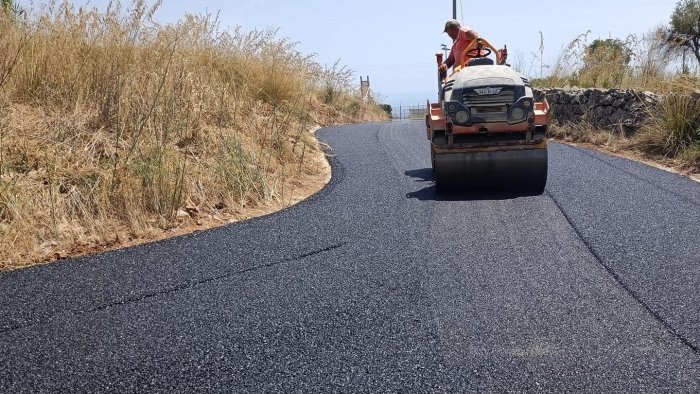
486	131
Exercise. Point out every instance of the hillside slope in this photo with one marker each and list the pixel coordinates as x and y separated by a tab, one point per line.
117	129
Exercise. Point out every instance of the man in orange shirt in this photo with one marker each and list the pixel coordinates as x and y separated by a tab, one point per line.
461	38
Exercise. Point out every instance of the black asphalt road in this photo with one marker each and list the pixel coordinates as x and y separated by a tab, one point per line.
377	284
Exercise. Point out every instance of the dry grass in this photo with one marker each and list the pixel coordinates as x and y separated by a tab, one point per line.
651	66
111	124
587	133
675	129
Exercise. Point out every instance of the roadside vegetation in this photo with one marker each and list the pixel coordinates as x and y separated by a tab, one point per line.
665	61
116	128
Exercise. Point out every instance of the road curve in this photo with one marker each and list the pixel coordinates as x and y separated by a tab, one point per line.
378	284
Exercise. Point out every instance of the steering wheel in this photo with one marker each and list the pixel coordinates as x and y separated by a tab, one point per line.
479	51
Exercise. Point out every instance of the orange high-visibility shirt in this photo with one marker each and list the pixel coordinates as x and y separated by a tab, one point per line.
459	45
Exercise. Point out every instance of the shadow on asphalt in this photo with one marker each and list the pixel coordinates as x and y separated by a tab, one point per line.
429	193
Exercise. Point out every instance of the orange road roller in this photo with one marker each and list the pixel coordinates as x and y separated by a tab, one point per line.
487	132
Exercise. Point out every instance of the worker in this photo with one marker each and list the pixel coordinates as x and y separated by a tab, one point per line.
461	38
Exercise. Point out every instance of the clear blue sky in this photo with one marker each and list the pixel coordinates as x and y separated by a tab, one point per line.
394	41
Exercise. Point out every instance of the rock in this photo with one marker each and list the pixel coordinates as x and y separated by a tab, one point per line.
619	103
594	100
556	98
48	244
632	105
597	114
181	214
617	117
192	210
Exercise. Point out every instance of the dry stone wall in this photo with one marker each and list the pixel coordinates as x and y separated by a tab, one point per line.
625	110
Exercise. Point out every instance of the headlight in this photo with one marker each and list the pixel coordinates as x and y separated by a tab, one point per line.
451	108
462	117
517	114
527	103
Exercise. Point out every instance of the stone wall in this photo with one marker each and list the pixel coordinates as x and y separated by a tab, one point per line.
625	110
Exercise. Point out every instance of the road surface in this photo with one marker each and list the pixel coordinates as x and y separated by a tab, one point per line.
378	284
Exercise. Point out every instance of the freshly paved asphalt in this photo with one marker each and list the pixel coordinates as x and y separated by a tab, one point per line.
377	284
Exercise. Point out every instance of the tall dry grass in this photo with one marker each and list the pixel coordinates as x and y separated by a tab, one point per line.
111	123
674	132
652	66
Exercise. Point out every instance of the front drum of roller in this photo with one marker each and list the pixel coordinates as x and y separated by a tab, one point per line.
513	170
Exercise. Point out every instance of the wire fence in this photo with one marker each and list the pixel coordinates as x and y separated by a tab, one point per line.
409	112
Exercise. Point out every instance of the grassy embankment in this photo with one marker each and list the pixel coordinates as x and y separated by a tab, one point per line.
115	128
672	136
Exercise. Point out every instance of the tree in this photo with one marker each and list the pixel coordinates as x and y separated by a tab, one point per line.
11	8
609	51
684	33
605	62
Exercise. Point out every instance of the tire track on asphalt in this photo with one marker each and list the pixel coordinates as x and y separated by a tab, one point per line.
687	342
174	289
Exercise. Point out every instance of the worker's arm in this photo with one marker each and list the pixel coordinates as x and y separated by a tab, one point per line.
449	62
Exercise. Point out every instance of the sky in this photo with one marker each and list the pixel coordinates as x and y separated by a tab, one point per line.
394	42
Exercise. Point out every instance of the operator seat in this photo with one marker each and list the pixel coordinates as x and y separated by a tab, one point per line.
480	61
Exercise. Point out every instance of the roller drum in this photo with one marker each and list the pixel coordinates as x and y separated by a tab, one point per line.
523	169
